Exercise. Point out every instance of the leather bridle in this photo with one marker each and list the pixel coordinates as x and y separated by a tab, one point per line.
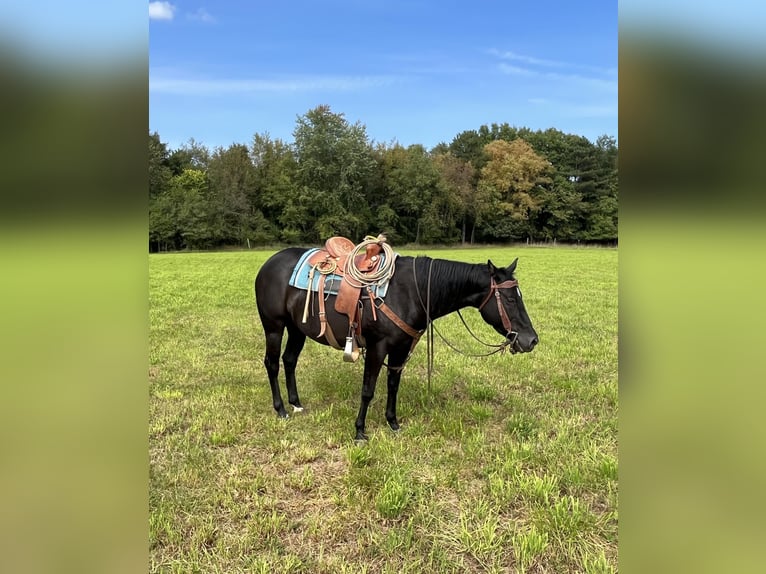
494	288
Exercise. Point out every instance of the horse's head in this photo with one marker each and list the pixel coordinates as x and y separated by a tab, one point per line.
503	308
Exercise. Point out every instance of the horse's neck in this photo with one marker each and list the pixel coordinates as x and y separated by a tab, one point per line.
455	285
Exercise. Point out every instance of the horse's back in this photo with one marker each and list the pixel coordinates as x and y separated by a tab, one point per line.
272	280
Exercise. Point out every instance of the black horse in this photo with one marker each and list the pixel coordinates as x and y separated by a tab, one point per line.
447	286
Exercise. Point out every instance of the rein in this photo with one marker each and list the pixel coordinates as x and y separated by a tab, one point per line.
493	288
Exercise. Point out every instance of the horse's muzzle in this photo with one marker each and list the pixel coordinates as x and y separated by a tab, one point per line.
517	346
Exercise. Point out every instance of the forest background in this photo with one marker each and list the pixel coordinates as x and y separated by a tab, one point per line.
496	184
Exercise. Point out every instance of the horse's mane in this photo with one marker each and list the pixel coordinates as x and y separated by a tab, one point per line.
450	280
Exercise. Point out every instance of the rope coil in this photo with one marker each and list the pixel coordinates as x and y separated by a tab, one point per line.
382	274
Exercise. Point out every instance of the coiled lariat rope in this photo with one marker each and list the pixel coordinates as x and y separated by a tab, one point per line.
379	276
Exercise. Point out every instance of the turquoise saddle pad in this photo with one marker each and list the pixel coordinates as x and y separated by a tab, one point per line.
300	277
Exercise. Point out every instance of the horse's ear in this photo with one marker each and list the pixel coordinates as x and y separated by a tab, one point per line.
491	267
512	266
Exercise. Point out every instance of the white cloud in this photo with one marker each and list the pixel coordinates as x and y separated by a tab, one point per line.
607	85
201	15
527	59
161	11
541	63
508	69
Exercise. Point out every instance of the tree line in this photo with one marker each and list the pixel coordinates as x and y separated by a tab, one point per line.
495	184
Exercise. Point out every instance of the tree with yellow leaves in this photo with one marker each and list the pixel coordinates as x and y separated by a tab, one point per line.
509	186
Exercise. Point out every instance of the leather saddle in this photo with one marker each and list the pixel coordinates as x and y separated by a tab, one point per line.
334	259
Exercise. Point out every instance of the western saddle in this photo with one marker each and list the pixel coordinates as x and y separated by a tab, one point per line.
358	271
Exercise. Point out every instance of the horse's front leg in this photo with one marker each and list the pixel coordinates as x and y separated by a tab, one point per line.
396	359
373	361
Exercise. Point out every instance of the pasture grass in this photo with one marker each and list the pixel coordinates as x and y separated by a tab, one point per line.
508	464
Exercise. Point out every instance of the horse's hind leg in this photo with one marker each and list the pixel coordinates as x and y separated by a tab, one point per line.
271	361
293	348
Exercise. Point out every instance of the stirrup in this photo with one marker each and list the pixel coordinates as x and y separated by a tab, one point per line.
351	351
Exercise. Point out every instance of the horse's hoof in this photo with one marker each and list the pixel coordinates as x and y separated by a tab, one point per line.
297	409
283	414
394	426
360	438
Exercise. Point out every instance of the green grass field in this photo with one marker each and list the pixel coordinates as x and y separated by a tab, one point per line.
508	464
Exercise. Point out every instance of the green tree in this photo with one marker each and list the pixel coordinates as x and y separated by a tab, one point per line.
469	146
414	191
191	155
601	196
160	175
384	219
181	216
459	178
557	219
194	209
273	195
334	163
159	168
231	177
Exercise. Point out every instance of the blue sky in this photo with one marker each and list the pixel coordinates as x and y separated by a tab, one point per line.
414	72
